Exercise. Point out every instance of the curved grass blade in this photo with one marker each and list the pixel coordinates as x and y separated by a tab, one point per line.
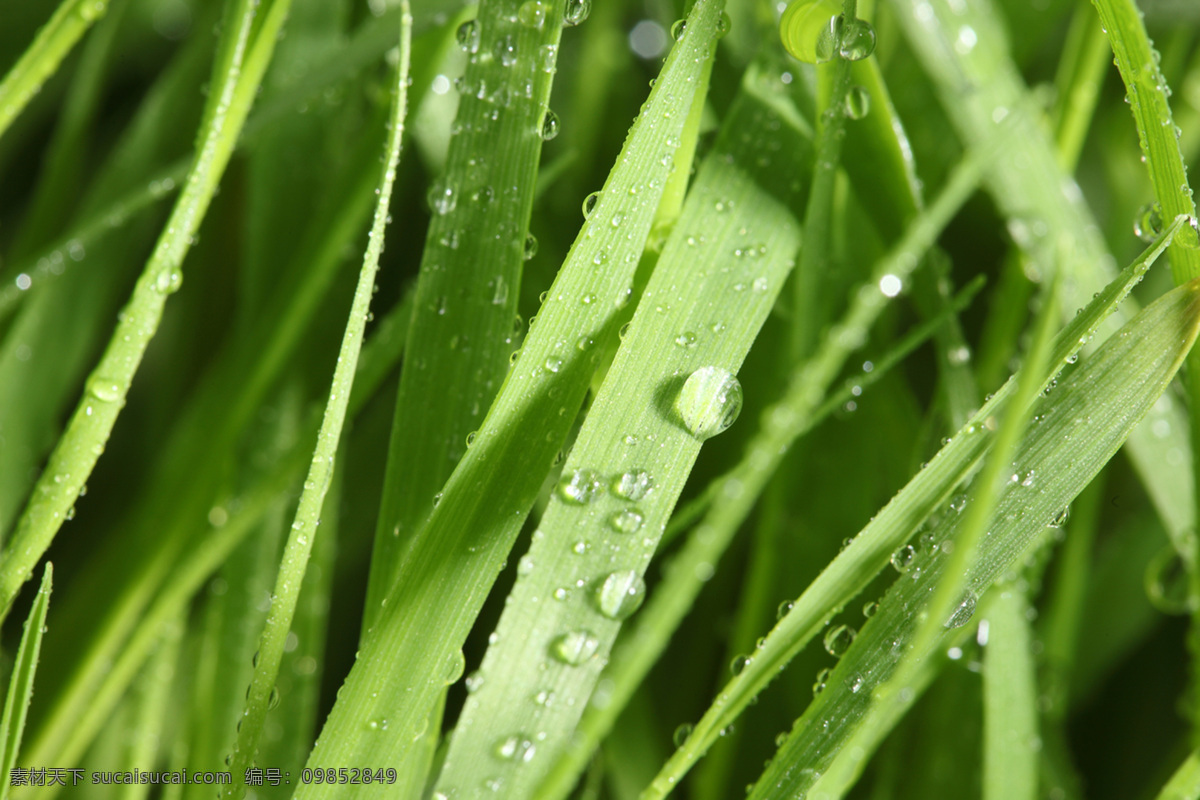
870	550
402	669
467	292
70	21
1185	783
20	684
299	543
78	449
698	316
1078	428
82	708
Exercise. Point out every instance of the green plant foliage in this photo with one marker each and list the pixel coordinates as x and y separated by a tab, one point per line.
719	397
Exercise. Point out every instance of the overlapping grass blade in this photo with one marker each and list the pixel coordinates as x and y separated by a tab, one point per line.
70	21
402	669
1080	425
320	473
716	280
1010	758
20	684
239	72
1185	783
871	549
461	335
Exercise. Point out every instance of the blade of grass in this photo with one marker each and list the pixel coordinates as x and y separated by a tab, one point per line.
20	684
1010	763
401	670
1185	783
467	292
320	473
70	21
79	448
1081	425
82	707
699	312
867	552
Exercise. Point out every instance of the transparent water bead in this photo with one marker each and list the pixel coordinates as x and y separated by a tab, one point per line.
709	402
576	11
549	125
856	40
1148	224
579	487
627	521
903	557
838	640
589	204
858	102
468	36
632	485
804	24
682	733
575	647
963	611
619	594
515	748
532	14
530	250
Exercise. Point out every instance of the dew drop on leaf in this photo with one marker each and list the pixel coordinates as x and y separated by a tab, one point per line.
838	640
576	11
963	611
574	647
858	102
709	402
822	679
682	733
857	39
627	521
903	557
589	204
619	594
784	608
579	487
632	485
549	125
468	36
1148	224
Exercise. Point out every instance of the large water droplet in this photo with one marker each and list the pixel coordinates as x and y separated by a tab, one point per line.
857	40
468	36
838	640
632	485
903	557
784	609
589	204
678	29
682	733
579	487
104	389
442	199
858	102
549	125
169	280
627	521
1148	224
576	11
739	664
619	594
574	647
709	401
531	248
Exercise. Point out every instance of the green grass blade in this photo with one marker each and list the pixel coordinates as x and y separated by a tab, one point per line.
1081	425
304	529
870	551
467	538
1010	757
467	293
20	685
77	451
1147	92
699	312
1185	783
70	21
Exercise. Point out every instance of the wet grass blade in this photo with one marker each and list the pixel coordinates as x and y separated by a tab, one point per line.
670	387
70	21
20	684
238	73
872	548
401	671
1080	425
1010	757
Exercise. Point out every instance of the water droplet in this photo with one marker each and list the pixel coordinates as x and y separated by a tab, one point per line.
474	682
822	679
580	487
963	611
870	608
456	663
682	733
1148	224
1167	582
903	557
468	36
837	640
857	39
619	594
627	521
505	51
724	23
858	102
442	199
549	125
273	699
678	29
575	647
531	248
632	485
739	664
532	14
553	364
784	609
576	11
105	390
514	748
169	280
1061	518
589	204
709	401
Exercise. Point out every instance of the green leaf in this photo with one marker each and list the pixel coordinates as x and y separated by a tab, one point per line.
20	684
